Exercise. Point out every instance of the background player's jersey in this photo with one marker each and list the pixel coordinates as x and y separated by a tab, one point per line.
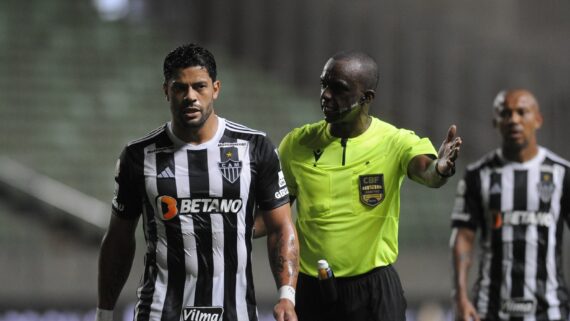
198	205
520	209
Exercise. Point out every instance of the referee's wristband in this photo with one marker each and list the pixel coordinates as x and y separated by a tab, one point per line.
103	315
287	292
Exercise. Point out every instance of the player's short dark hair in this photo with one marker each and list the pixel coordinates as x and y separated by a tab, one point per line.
189	55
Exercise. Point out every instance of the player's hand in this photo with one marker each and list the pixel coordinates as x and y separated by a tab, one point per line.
284	310
448	153
465	311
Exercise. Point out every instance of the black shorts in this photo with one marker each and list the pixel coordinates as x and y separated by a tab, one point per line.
373	296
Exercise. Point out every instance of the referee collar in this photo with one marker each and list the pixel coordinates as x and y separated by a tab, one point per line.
368	133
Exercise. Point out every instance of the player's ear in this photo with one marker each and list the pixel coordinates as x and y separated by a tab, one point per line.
217	85
539	120
165	90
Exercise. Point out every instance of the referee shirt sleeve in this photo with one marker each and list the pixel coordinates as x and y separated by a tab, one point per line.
412	146
126	200
467	210
285	153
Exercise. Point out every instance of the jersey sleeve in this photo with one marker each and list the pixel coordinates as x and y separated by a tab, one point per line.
565	201
412	146
285	155
126	200
467	210
271	189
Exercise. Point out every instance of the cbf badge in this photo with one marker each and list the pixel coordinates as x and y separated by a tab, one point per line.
371	189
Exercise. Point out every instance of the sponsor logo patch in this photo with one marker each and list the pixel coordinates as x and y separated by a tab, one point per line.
515	218
168	207
371	189
518	306
202	313
281	179
282	193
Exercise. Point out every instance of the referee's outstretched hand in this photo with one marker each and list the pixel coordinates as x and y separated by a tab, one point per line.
284	310
448	153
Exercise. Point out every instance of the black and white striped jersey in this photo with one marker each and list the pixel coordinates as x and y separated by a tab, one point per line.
197	203
520	209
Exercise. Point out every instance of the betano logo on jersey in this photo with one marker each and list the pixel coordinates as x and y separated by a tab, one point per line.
514	218
168	207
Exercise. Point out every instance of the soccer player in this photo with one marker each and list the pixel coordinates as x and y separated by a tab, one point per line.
197	180
517	197
345	173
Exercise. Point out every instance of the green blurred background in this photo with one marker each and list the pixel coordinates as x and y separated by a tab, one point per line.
79	79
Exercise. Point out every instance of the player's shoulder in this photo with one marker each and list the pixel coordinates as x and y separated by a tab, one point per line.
490	159
236	129
555	158
147	139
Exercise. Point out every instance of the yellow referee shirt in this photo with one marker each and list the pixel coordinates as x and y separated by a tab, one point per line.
348	193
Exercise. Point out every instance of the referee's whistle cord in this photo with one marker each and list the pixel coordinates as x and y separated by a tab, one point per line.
343	144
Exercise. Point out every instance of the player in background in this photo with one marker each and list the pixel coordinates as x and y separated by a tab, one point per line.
517	197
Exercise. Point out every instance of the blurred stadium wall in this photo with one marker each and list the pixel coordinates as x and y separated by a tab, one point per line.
78	79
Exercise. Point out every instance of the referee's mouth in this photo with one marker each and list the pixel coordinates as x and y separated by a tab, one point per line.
328	110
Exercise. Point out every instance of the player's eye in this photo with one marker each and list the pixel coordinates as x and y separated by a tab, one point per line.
199	86
178	87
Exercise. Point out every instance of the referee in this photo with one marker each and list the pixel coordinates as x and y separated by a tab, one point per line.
517	197
345	173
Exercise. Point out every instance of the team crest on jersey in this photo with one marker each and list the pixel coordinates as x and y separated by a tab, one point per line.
230	169
202	313
371	189
545	187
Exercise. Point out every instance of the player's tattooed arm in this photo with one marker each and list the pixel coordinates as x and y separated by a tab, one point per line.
282	245
284	258
462	240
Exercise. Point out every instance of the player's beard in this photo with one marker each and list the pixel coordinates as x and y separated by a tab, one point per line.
195	123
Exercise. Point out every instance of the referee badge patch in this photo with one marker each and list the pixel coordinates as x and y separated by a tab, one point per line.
371	189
